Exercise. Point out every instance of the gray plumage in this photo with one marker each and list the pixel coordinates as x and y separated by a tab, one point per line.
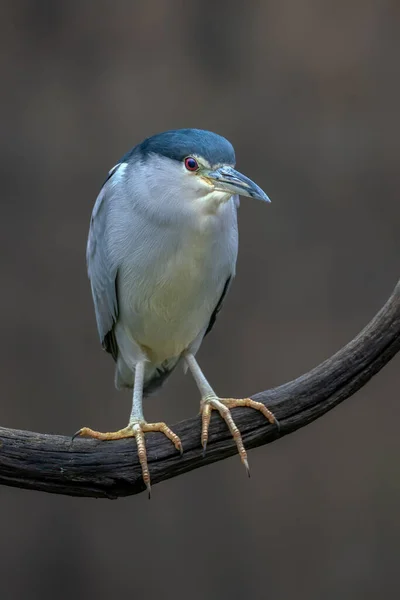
161	255
157	270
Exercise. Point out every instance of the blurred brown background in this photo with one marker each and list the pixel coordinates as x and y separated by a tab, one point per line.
308	92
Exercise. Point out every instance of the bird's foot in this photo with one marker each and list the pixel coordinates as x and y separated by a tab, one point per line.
223	406
136	430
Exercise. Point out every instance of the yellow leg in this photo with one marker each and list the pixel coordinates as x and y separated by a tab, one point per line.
223	406
136	430
210	401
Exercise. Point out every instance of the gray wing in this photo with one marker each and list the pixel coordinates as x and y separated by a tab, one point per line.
102	269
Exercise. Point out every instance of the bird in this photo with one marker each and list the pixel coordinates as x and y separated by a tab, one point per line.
161	257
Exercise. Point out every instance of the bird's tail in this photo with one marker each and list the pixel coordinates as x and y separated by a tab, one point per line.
157	379
155	375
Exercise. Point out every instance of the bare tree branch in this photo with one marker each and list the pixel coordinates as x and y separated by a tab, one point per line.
110	469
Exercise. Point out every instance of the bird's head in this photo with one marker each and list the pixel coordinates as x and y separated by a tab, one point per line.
196	165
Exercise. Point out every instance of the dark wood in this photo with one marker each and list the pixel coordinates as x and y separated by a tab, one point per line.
53	464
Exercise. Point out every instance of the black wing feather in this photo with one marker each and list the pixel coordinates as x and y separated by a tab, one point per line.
218	307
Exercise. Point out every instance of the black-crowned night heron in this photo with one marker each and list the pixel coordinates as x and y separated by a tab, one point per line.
161	255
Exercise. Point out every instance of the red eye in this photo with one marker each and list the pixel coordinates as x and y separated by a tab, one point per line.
191	163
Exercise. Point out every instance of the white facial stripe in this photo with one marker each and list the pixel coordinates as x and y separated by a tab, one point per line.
115	167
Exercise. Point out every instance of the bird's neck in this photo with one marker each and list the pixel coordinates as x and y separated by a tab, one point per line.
213	203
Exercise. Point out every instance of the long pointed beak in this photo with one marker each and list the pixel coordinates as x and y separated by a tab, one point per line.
227	179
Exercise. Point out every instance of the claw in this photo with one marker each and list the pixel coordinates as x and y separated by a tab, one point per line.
76	434
223	406
204	448
136	430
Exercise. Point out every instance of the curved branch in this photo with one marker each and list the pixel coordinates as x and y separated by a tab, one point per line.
110	469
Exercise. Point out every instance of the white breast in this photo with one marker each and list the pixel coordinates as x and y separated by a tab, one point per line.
169	286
